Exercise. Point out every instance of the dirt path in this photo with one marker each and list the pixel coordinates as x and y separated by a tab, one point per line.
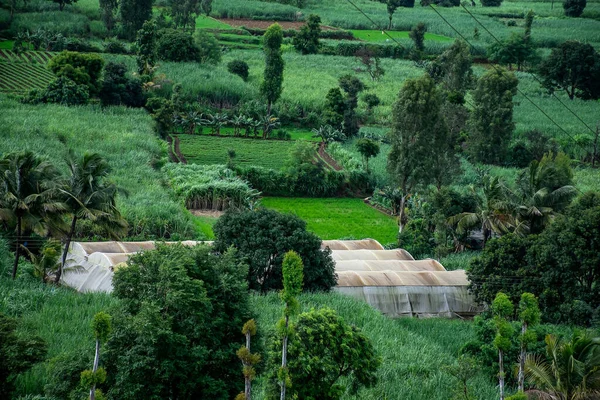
178	151
327	158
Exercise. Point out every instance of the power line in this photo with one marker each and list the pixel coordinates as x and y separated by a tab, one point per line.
374	24
499	71
532	74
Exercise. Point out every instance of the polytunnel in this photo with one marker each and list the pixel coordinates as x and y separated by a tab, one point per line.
391	281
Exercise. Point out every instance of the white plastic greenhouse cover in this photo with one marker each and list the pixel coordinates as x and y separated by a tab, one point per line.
387	265
397	254
365	244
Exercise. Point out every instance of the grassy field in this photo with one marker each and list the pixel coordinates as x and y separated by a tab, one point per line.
204	149
337	218
378	36
413	351
204	22
124	137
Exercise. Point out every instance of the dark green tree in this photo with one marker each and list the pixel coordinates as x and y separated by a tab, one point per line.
146	42
352	86
367	148
325	349
574	8
63	3
108	10
529	316
372	63
88	196
175	332
162	112
333	114
176	46
239	68
18	353
453	68
293	277
516	50
273	76
206	6
491	123
27	201
210	49
306	40
491	3
184	13
392	6
133	15
83	69
263	237
417	35
119	89
417	125
502	309
575	68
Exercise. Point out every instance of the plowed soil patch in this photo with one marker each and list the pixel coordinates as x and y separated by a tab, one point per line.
261	24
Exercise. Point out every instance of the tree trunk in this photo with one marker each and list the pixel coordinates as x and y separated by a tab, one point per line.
284	357
390	24
96	360
401	215
61	6
66	250
17	249
521	376
501	374
247	381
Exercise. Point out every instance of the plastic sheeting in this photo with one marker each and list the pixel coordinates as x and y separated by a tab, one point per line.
397	254
388	265
365	244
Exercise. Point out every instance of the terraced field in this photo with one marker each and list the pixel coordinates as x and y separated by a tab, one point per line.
21	72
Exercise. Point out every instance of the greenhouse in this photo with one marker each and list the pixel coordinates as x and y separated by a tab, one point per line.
391	281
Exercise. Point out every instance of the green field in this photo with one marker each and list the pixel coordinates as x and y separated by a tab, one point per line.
413	351
336	218
124	136
204	22
204	149
379	36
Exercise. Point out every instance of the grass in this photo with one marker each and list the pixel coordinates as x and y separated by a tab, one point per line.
124	136
413	351
377	36
204	22
204	149
338	218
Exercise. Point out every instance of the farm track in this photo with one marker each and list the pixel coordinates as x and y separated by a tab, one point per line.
324	156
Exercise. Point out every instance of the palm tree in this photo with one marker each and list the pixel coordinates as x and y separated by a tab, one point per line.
538	203
26	196
573	369
90	197
493	214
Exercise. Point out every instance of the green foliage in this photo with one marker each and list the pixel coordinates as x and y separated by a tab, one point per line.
491	123
529	311
146	44
323	349
90	378
352	86
574	8
333	113
417	238
575	68
273	76
64	373
516	49
176	331
453	68
263	237
293	276
108	10
417	35
239	68
18	353
306	41
62	91
210	50
134	13
491	3
83	69
176	46
185	12
368	148
463	371
101	326
63	3
119	89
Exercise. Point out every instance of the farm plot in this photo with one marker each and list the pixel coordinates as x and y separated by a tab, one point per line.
338	218
18	77
200	149
41	57
379	36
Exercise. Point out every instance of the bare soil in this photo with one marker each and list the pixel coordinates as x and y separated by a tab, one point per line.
262	24
207	213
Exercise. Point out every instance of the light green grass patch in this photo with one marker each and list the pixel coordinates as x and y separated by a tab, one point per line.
7	44
204	22
204	149
379	36
338	218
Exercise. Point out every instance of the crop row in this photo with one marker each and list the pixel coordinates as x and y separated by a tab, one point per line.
38	57
21	77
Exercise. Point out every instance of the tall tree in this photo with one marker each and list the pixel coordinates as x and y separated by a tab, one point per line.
63	3
392	6
101	328
184	13
248	359
417	34
307	40
491	124
352	86
453	68
133	15
27	200
333	114
89	196
502	309
367	148
146	42
575	68
416	124
529	315
574	8
273	76
108	9
293	277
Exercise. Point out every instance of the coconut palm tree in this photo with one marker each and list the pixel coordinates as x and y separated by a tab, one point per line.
571	370
493	214
27	200
89	196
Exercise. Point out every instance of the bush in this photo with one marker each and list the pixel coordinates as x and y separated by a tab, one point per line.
61	91
574	8
239	68
118	89
176	46
491	3
210	50
82	46
114	46
83	69
263	236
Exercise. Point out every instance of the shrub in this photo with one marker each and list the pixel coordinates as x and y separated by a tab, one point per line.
83	69
61	91
210	50
263	237
491	3
239	68
118	89
574	8
177	46
114	46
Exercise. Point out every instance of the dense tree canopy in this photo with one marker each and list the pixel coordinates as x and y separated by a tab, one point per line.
263	237
307	40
